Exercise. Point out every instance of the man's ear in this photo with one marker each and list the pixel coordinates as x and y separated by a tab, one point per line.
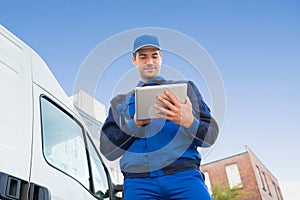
133	59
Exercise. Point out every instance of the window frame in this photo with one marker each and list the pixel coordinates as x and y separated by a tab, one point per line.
240	184
85	136
207	181
261	178
109	181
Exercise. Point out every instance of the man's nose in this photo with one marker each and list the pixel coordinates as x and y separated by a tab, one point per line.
149	61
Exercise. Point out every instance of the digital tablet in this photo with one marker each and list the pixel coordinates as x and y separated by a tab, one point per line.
146	97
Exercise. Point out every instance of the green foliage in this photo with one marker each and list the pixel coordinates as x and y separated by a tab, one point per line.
223	192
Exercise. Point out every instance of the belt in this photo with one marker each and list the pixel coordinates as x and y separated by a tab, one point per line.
173	168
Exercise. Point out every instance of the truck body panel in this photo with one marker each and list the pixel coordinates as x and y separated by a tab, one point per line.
45	148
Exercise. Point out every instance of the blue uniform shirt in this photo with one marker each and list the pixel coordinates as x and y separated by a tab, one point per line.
161	147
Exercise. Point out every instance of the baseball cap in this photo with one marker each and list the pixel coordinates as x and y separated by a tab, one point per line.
145	40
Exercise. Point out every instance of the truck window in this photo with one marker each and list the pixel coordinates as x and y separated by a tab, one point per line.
63	142
99	174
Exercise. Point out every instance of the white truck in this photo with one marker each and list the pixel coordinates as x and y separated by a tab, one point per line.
45	148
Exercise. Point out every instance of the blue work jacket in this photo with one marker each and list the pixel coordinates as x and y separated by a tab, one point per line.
161	147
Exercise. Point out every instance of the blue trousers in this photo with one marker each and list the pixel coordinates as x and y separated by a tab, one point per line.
186	185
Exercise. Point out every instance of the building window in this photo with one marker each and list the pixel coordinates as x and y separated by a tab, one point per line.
265	178
233	176
207	182
277	191
261	179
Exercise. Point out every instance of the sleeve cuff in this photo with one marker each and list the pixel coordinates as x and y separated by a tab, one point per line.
133	128
194	126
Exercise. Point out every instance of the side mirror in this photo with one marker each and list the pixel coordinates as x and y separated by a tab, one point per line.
118	192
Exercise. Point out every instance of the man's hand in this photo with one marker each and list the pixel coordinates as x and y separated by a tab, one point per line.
179	113
141	123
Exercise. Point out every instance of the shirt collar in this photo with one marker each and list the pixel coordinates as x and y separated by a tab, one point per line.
155	81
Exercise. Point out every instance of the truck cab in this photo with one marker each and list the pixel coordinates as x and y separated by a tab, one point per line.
46	151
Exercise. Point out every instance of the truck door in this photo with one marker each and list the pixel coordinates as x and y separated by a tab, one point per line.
61	160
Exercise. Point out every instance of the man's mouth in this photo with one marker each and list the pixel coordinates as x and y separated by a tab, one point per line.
149	68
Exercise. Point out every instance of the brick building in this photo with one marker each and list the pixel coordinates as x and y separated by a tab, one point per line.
245	172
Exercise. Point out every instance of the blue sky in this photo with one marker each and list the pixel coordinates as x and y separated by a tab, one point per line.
255	45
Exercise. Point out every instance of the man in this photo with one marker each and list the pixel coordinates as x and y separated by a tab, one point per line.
159	157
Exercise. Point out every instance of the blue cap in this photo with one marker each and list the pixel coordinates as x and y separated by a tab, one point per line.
145	40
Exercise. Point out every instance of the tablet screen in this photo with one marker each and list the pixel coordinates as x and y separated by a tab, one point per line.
146	97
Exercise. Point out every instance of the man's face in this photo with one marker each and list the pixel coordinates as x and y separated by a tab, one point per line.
147	61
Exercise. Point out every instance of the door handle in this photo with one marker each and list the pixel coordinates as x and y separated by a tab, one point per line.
12	187
38	192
